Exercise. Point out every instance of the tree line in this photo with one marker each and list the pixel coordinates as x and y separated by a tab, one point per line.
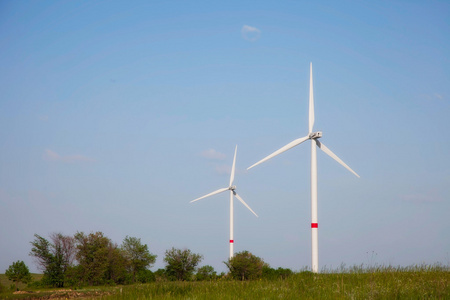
93	259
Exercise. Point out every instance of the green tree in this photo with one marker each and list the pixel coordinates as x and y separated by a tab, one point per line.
74	276
205	273
180	264
138	255
92	257
100	261
117	266
18	272
145	276
244	265
53	258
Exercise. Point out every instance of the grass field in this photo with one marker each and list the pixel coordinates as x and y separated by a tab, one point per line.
7	283
382	283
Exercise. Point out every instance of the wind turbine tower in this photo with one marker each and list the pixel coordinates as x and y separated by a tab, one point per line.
314	137
232	189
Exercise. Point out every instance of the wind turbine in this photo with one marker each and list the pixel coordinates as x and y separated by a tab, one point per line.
313	136
232	189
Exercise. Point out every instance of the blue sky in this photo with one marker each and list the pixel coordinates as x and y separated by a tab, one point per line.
113	116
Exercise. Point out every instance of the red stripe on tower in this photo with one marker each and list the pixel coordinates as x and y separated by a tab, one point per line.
231	241
314	225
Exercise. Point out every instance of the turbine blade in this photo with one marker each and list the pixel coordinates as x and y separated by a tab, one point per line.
233	167
311	100
211	194
243	202
281	150
334	156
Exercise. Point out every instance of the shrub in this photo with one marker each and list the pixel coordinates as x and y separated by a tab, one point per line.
205	273
18	272
160	275
244	265
145	276
35	284
271	273
180	264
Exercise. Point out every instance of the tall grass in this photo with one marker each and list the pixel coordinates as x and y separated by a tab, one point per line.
359	282
419	282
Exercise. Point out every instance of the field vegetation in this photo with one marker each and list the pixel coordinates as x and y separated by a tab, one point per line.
415	282
93	267
383	283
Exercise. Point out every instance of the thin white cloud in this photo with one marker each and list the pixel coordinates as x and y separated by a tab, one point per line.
439	96
43	118
433	97
213	154
250	33
53	156
223	169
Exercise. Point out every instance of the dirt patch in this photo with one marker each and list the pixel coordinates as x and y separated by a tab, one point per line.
22	292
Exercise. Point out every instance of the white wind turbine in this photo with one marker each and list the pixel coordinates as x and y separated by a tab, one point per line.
313	136
232	189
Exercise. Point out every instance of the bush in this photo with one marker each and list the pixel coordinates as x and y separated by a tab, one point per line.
180	264
273	274
18	272
35	284
244	265
145	276
73	276
205	273
160	275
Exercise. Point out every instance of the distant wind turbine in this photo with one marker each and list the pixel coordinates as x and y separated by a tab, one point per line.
313	136
232	189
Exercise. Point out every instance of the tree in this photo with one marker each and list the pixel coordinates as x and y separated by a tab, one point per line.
244	265
41	251
138	256
180	264
145	276
117	266
205	273
18	272
92	257
64	246
53	258
100	261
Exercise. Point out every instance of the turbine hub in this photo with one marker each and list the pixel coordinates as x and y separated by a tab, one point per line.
315	135
232	188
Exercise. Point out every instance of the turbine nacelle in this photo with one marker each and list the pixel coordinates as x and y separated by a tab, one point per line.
315	135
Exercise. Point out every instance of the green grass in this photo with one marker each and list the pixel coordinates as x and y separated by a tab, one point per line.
7	283
381	284
419	282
